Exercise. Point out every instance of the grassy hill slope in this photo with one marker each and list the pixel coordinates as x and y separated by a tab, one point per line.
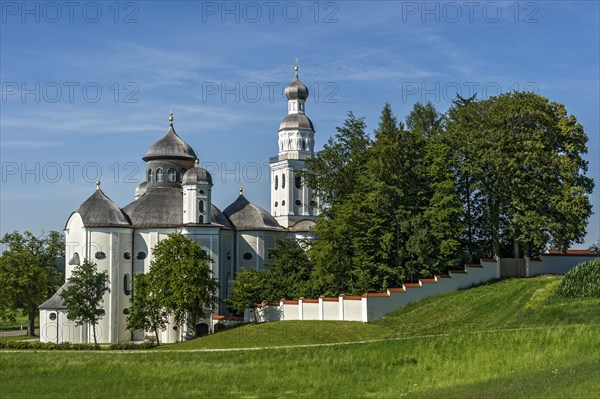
508	339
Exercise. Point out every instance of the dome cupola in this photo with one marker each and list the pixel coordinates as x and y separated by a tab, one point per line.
296	90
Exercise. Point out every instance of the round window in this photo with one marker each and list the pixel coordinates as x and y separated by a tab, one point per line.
283	203
247	256
52	316
298	202
100	312
127	255
126	311
201	192
100	255
141	255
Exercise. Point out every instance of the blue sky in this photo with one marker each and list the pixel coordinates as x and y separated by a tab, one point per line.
87	86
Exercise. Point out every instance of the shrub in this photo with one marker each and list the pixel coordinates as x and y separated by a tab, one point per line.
583	281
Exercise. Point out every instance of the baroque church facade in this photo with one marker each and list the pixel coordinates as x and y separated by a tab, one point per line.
177	197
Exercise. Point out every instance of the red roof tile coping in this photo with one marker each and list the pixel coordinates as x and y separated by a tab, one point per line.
311	301
442	276
474	265
396	289
458	271
428	280
331	299
221	317
368	294
290	302
352	298
487	260
412	285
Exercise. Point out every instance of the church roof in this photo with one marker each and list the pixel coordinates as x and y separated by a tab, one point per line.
296	121
56	301
217	217
247	216
160	206
171	146
197	175
99	211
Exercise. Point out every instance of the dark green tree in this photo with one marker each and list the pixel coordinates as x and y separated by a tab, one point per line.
29	273
84	295
146	312
522	156
181	278
288	272
248	290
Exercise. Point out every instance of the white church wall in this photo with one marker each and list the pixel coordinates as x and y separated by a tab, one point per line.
75	239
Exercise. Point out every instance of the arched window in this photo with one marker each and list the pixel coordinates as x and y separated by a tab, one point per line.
201	219
172	175
298	181
149	175
276	182
201	206
159	175
303	144
283	180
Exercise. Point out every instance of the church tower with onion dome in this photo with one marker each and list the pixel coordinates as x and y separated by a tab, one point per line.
292	202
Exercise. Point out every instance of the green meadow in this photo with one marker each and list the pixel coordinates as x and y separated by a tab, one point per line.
508	339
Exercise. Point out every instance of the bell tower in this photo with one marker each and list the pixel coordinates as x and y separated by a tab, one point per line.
291	199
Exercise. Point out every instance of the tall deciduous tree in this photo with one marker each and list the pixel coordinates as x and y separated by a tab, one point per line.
523	156
146	312
84	295
29	273
181	278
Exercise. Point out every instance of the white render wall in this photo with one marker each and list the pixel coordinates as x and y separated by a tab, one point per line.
371	306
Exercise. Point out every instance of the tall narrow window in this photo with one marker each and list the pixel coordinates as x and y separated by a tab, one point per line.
201	206
149	175
126	284
201	219
283	180
159	175
172	175
276	181
297	181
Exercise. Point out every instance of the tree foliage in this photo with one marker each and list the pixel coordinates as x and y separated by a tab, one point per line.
181	279
287	275
84	295
29	273
146	312
522	172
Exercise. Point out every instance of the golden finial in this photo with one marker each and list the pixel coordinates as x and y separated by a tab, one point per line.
296	67
171	119
197	163
97	184
241	190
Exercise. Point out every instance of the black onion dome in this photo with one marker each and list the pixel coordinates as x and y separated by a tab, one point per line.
99	211
247	216
171	146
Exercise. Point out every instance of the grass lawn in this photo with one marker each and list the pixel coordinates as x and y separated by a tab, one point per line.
544	348
20	321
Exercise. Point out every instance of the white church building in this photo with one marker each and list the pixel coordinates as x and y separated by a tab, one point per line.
177	197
